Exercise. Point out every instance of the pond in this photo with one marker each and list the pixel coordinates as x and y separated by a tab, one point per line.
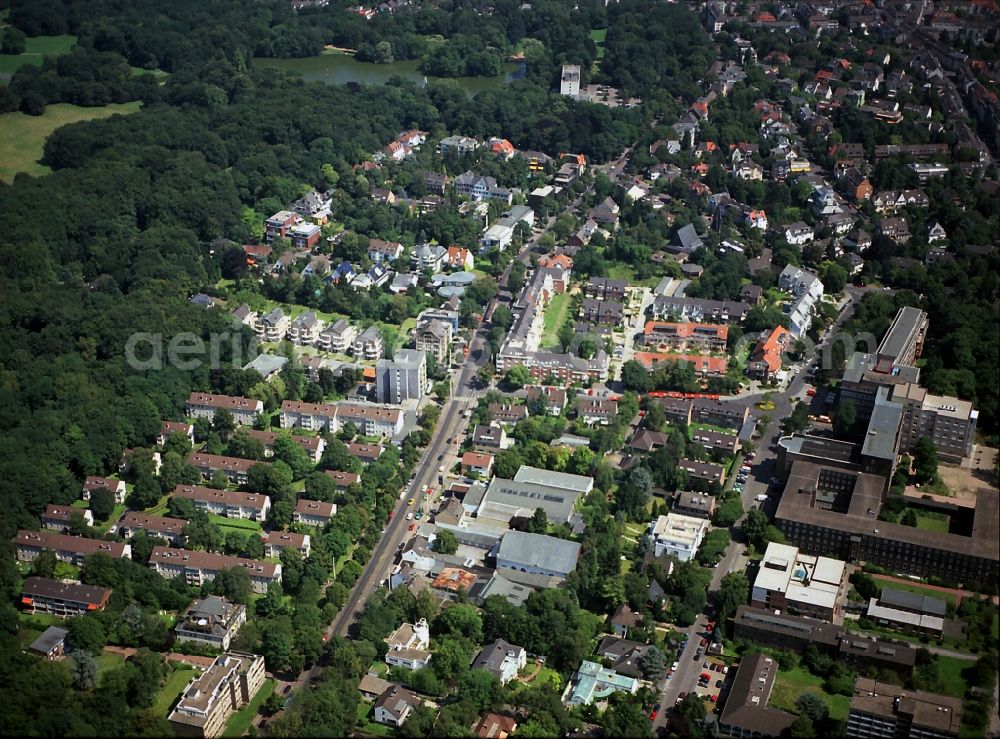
338	68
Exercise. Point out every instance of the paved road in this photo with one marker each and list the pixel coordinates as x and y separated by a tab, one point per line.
684	678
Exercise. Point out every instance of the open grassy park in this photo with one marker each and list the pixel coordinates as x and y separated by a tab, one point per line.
22	137
35	50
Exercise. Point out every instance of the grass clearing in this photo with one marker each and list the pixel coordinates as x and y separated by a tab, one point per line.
109	661
242	525
556	314
22	137
951	675
240	721
790	684
172	689
619	271
932	521
598	35
35	50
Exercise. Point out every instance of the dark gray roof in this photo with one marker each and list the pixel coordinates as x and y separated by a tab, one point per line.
491	657
688	239
49	639
909	601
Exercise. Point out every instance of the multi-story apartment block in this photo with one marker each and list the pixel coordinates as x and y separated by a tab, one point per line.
404	377
746	713
337	337
198	567
58	517
371	420
251	506
132	522
479	187
884	711
800	584
275	541
703	337
204	405
368	344
236	469
62	599
212	697
602	311
313	512
717	413
458	145
569	82
169	428
673	308
313	445
716	440
116	487
279	225
212	621
904	341
305	235
272	326
434	337
70	549
305	329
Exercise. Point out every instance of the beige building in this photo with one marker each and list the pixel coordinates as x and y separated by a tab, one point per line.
800	584
211	698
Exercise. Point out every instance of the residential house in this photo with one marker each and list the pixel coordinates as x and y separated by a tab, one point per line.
677	535
377	276
428	256
198	567
314	205
460	258
458	145
408	646
343	479
436	182
212	621
552	399
756	219
692	504
501	659
51	644
894	229
395	705
477	463
606	213
479	187
62	599
936	233
313	512
766	358
602	312
799	233
623	619
510	414
703	471
494	726
365	453
384	251
593	681
491	437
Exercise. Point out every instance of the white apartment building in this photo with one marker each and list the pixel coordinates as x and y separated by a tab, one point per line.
677	535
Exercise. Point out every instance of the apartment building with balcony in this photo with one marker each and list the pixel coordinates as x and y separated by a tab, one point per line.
69	549
204	405
198	567
228	503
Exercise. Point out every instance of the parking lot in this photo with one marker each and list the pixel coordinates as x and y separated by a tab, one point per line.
710	689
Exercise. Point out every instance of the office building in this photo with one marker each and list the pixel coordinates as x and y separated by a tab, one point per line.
800	584
904	341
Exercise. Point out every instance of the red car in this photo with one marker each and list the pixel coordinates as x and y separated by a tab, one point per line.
653	715
811	392
412	527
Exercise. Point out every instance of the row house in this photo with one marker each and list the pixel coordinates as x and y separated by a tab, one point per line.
132	522
602	311
115	487
69	549
705	337
716	440
235	469
313	445
313	512
337	337
699	309
62	599
197	568
605	288
889	201
703	471
305	329
251	506
205	405
511	414
552	399
58	517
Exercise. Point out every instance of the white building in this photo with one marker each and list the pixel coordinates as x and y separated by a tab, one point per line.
677	535
569	84
408	646
404	377
800	584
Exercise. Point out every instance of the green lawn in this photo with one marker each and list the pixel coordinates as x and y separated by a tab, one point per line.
619	271
556	314
366	725
172	689
22	137
115	515
239	524
109	661
932	520
598	35
160	508
951	675
35	50
239	722
790	684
